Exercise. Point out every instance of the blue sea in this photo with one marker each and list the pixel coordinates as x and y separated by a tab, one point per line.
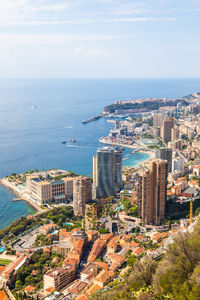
37	115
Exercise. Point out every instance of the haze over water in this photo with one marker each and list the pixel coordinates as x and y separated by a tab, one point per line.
37	115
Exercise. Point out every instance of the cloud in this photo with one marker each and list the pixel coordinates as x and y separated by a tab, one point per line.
64	12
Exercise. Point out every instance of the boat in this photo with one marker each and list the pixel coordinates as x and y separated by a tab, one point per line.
64	142
125	158
73	140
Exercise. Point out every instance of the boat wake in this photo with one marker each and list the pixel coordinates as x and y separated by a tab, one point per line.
78	146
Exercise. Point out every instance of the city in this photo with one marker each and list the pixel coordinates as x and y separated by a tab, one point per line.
88	232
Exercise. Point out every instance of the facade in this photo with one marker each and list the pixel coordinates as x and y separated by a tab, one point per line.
82	194
165	154
178	164
151	192
59	278
158	120
46	191
68	240
107	171
166	130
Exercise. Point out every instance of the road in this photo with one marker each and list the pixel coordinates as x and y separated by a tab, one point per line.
27	241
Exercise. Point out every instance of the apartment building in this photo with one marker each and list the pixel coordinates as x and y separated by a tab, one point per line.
82	194
59	278
166	129
151	192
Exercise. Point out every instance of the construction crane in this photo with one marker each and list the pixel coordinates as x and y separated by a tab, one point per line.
191	209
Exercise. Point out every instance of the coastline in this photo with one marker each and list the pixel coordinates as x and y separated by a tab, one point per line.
24	196
150	153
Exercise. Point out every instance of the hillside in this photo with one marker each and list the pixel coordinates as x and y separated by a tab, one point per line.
176	276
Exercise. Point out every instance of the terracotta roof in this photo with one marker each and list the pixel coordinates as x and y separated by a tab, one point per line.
50	289
103	276
30	289
138	250
141	237
197	167
133	244
193	181
102	264
93	289
77	286
116	258
13	266
170	193
97	248
3	295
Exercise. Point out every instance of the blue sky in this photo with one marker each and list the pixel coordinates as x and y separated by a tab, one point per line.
99	38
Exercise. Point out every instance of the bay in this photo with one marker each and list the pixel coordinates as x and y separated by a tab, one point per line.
37	115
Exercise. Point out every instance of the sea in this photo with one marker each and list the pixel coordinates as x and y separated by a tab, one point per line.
36	115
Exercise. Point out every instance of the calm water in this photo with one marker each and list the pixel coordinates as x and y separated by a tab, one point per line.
31	137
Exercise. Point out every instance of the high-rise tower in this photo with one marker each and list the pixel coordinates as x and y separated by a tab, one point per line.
82	194
107	171
151	192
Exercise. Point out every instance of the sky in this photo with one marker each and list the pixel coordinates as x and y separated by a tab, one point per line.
99	38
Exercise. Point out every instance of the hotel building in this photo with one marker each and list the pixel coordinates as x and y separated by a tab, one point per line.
47	191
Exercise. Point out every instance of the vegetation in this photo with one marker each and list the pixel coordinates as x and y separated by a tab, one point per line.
149	105
32	274
129	208
58	215
4	262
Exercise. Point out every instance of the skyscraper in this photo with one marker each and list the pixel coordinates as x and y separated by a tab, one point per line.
107	171
165	154
166	129
82	194
158	120
151	192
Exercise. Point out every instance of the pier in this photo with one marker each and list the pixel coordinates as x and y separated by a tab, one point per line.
17	199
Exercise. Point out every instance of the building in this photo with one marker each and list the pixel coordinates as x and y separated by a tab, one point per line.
68	241
151	192
158	120
46	191
176	145
59	278
92	214
165	154
175	134
107	171
89	272
82	194
96	250
166	129
178	164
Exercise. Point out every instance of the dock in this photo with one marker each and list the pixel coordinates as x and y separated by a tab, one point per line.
17	199
95	118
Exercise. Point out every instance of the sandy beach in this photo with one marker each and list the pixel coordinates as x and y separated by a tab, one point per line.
150	153
21	194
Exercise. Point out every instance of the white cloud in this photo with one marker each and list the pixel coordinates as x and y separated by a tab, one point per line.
61	12
57	39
